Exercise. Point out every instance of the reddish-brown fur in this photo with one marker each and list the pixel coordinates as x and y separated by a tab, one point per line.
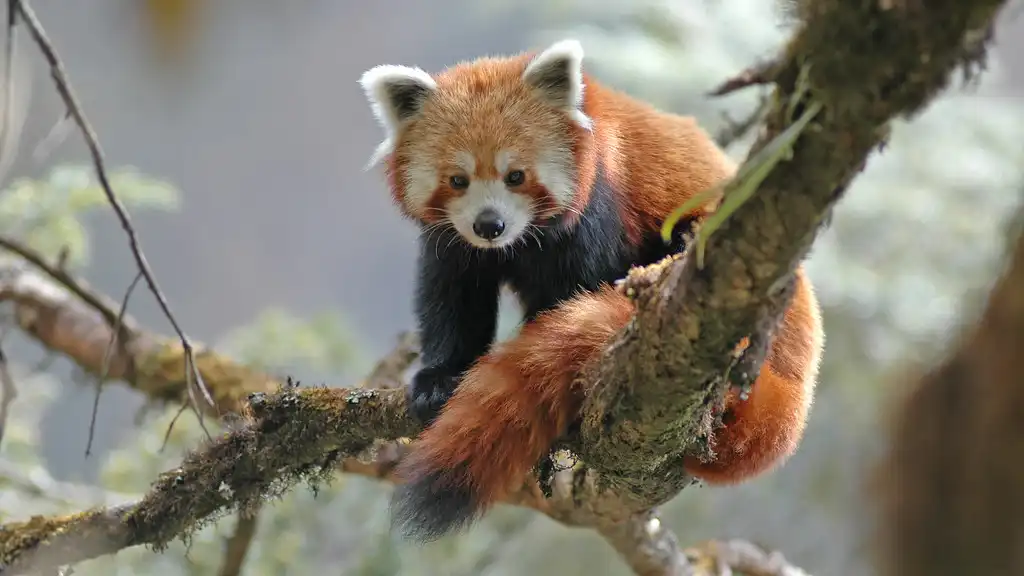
515	402
661	158
511	407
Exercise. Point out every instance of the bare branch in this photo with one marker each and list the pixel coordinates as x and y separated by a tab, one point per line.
62	322
8	392
237	547
60	79
736	129
389	371
763	72
115	339
99	302
6	155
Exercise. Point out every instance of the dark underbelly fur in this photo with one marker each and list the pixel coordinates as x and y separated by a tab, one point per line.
595	251
457	288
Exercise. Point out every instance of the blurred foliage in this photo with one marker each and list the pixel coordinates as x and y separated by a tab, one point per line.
47	214
174	25
276	340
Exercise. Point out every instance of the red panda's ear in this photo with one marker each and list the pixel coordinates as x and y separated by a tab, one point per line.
396	95
557	76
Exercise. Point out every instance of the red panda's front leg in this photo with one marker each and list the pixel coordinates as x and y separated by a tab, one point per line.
762	431
456	317
505	415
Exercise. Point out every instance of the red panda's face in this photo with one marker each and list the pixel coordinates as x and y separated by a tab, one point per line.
486	146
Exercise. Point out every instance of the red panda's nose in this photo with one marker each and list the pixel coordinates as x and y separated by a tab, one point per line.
488	225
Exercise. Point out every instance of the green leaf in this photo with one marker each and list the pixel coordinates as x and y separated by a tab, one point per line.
742	186
751	174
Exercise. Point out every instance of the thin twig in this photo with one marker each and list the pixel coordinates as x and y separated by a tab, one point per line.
391	368
121	331
736	129
237	546
763	72
192	375
8	80
106	361
95	300
55	137
8	392
170	427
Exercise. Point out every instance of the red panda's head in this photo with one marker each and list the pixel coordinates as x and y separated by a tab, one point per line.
490	147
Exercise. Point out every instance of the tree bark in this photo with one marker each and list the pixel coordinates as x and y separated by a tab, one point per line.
950	485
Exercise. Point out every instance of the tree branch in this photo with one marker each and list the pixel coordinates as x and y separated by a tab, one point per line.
237	547
295	436
658	379
21	11
8	391
61	321
650	395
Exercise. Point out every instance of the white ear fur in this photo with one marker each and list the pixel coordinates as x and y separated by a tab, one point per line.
396	94
557	75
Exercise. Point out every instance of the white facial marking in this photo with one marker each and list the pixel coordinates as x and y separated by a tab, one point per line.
503	160
556	172
466	161
420	180
513	209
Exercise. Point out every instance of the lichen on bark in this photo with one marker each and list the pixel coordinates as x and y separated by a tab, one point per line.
293	435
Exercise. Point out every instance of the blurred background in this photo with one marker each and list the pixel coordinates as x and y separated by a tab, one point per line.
239	134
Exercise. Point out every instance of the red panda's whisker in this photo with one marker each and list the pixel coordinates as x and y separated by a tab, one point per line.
455	237
533	231
434	227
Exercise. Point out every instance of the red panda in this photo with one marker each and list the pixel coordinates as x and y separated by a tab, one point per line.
524	171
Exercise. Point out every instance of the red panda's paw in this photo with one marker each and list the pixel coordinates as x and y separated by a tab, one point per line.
428	392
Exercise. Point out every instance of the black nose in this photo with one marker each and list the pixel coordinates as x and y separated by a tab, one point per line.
488	225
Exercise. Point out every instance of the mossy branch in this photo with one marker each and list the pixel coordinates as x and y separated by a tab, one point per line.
281	417
864	64
294	435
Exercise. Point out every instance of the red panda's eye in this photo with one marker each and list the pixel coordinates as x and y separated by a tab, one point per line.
458	182
515	178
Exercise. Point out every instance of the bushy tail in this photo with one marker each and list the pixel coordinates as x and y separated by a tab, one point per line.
505	415
761	432
517	400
